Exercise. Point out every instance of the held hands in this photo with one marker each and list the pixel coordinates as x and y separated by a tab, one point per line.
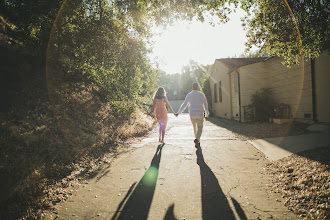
206	118
176	114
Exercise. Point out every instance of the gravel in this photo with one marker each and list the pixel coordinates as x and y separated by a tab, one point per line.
304	183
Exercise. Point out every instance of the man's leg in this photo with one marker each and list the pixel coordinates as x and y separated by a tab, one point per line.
194	124
198	128
199	122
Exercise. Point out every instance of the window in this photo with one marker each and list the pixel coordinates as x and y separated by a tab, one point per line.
215	93
220	92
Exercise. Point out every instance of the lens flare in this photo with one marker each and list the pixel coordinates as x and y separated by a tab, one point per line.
150	177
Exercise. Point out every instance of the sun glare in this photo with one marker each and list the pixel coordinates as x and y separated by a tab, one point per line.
201	42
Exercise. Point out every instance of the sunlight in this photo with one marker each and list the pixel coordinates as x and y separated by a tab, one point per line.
184	41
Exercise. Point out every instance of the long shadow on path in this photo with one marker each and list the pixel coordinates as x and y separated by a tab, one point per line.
214	203
139	201
170	213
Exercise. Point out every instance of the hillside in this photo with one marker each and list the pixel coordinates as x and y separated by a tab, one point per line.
52	136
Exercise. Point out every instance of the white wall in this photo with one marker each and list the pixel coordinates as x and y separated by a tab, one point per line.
219	73
290	86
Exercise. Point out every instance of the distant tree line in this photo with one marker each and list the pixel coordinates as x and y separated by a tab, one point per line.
179	85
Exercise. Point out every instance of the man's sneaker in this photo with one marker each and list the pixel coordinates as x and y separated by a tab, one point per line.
197	144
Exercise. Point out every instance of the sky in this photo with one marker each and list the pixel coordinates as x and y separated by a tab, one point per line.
198	41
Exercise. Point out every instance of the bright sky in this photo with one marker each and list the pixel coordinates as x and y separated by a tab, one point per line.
199	42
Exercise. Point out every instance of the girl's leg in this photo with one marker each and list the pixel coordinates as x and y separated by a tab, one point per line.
162	127
160	133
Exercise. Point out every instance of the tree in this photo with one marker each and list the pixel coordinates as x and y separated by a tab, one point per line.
89	39
33	19
290	29
107	41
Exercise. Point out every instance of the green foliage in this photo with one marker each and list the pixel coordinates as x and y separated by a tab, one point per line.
181	83
289	29
264	105
33	19
170	82
251	54
206	87
91	41
107	41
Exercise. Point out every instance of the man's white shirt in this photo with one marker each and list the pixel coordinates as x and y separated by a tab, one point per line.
197	104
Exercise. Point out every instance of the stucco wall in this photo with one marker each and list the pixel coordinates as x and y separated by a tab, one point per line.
322	87
290	86
219	73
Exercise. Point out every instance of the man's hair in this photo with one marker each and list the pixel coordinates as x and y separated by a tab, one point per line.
195	86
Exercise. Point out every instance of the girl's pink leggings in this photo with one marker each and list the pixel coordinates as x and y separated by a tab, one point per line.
162	127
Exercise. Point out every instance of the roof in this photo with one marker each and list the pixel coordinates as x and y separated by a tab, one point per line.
234	63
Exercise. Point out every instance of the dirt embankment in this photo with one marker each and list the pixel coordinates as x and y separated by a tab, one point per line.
52	135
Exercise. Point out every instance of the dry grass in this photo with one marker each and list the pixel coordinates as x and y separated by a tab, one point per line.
54	137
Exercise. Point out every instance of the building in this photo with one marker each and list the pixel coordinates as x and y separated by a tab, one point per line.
302	88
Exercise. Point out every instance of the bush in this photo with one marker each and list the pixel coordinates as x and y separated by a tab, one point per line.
263	102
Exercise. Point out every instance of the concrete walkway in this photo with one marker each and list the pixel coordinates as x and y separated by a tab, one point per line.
280	147
224	180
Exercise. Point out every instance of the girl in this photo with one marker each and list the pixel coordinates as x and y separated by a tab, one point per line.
160	111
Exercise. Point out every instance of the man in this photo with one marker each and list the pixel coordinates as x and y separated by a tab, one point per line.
197	103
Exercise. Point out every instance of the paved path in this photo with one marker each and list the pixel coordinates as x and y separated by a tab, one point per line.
280	147
224	180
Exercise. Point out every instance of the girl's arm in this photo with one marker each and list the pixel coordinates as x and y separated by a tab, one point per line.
154	108
169	105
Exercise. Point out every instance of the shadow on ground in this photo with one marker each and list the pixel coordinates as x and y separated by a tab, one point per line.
170	213
139	201
255	130
215	204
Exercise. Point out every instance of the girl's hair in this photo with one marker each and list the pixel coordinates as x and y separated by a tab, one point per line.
160	93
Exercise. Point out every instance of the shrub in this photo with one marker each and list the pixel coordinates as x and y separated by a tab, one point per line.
263	102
